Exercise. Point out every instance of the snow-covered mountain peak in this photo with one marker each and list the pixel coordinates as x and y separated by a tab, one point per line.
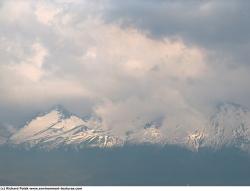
55	119
58	128
196	139
230	107
61	110
230	126
157	123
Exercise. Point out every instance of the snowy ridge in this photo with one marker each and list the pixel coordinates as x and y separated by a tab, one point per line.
228	126
150	134
196	140
57	128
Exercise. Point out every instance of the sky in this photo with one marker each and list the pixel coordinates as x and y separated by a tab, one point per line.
128	62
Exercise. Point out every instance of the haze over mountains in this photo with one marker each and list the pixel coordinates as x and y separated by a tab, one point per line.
157	92
145	70
229	126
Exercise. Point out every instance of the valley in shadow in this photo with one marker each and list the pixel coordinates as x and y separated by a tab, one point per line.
128	165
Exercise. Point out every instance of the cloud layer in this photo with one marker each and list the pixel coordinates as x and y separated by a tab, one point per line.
128	62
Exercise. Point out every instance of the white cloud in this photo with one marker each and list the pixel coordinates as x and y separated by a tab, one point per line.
128	77
12	11
45	13
32	66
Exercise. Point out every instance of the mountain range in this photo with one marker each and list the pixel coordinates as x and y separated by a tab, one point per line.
229	126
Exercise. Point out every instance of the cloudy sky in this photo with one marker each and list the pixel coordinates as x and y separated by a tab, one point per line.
129	62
